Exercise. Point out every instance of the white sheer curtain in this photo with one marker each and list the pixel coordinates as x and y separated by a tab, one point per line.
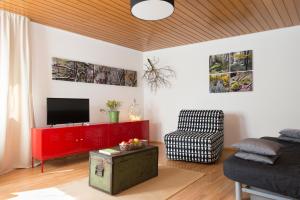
15	92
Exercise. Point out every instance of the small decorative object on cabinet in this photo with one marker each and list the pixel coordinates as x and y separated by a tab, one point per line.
113	113
50	143
157	77
134	112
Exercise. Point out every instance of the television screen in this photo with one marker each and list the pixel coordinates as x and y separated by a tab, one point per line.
65	110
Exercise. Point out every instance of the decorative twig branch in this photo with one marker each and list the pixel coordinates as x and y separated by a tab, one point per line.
157	77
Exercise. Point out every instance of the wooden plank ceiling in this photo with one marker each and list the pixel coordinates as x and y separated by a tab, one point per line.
193	20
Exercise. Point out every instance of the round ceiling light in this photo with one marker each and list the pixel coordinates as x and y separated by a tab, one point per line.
152	9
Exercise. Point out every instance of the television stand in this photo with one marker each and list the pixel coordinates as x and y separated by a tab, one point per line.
57	142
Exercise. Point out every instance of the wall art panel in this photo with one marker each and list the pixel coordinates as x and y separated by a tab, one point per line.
231	72
67	70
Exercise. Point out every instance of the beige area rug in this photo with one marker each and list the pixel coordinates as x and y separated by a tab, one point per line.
168	182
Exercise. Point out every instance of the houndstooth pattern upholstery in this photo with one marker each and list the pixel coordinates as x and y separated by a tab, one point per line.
199	137
204	121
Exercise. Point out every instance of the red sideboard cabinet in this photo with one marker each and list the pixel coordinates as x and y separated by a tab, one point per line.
50	143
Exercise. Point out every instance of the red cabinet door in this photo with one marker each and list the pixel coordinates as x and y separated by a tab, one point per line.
140	130
103	136
59	141
136	130
93	137
118	133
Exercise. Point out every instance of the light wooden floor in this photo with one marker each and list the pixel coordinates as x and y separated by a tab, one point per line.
214	185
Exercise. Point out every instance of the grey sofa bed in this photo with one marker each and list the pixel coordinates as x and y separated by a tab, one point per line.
282	178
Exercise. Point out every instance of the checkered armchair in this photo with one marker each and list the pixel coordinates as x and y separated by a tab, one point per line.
198	138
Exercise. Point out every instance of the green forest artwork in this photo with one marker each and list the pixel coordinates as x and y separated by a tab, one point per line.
75	71
231	72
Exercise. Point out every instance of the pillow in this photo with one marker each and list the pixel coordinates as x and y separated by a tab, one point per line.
258	146
289	139
294	133
256	157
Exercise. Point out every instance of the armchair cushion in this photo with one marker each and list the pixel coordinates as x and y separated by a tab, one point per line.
203	121
194	146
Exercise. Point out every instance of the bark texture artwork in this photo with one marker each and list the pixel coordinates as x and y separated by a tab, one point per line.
67	70
157	77
231	72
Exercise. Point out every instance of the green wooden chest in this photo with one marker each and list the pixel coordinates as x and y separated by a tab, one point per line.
115	173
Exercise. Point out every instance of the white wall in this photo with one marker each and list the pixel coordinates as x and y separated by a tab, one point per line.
47	42
273	105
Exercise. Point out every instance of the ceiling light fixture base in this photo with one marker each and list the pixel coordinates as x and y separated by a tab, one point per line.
152	10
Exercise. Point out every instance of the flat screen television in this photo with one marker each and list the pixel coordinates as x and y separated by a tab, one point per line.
67	110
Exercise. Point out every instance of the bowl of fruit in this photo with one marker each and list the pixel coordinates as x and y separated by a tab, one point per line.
131	144
144	142
124	146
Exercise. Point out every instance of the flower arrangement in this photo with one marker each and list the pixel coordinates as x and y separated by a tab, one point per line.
112	105
113	112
